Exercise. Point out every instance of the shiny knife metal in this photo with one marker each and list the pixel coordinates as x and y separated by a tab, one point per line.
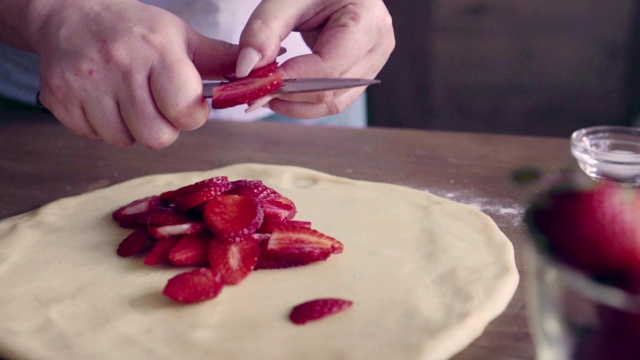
292	86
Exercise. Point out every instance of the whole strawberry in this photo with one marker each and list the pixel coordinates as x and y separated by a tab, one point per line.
594	227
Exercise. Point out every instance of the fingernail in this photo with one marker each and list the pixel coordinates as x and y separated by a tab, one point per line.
247	59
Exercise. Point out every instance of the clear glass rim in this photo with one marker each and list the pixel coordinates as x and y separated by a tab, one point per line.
586	286
579	140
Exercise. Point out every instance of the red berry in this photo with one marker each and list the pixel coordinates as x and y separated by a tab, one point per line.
194	286
187	228
317	309
256	189
199	197
301	244
277	212
136	213
159	253
161	216
244	91
234	260
170	196
233	217
259	72
594	229
134	243
190	250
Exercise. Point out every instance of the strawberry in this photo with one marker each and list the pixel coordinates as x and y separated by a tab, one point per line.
194	286
199	197
164	216
256	189
190	250
136	213
159	253
233	260
317	309
244	91
264	71
302	244
593	228
232	217
277	212
134	243
170	196
186	228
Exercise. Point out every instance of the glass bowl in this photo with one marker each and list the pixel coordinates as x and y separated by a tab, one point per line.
573	317
608	153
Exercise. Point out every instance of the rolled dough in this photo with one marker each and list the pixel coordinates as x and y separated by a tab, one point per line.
426	276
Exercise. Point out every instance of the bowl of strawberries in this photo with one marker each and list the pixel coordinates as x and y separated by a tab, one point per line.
584	268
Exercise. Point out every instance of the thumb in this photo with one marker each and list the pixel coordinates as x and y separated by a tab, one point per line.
270	23
212	58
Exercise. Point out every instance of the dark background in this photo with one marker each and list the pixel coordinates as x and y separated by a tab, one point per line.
528	67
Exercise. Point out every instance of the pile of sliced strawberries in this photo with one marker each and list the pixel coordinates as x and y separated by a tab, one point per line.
259	83
225	229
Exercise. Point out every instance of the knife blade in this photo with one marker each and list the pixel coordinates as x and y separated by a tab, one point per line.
292	86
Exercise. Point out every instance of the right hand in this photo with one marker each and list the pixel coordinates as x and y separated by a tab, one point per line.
124	71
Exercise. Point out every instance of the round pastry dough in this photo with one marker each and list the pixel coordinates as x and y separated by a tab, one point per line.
425	274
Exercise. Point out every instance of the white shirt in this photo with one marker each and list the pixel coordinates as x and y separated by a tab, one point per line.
218	19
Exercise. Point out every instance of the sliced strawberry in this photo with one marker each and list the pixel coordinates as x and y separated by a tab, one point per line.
170	196
134	243
267	262
244	91
297	243
187	228
277	212
136	213
300	223
194	286
161	216
256	189
234	260
159	253
317	309
190	250
255	73
233	217
199	197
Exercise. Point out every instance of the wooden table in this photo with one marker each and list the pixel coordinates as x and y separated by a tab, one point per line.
41	161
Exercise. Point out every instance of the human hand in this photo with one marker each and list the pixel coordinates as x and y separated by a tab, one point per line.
124	71
348	38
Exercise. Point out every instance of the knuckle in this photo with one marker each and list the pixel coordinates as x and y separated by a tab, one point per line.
161	139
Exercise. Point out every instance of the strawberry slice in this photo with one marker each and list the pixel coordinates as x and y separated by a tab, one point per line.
277	212
164	215
234	260
255	73
233	217
134	243
186	202
244	91
170	196
136	213
190	250
194	286
256	189
159	253
187	228
298	243
317	309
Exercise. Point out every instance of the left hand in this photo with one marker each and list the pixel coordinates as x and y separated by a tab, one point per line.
348	38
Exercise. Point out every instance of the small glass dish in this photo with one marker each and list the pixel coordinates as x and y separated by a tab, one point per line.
573	317
608	153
